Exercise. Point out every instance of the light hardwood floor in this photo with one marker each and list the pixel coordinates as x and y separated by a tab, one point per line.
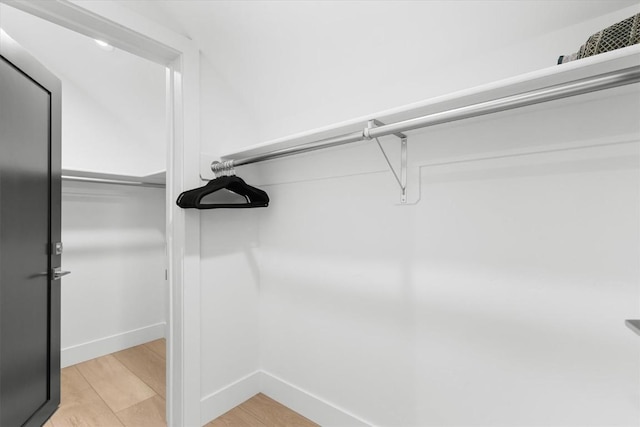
127	389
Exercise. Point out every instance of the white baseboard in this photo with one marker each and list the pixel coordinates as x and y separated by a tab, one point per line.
306	404
227	398
96	348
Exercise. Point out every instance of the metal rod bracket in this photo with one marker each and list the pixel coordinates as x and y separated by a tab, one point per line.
402	179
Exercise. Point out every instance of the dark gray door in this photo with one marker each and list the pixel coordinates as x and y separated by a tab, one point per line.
29	229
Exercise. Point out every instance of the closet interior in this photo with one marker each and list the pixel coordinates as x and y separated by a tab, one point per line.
495	291
449	222
512	257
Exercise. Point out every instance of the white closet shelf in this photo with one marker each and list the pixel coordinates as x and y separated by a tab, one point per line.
555	75
156	179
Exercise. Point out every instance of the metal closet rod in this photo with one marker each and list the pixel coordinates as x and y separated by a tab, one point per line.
608	80
112	181
108	178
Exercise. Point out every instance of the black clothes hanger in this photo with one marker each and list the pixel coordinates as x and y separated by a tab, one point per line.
255	197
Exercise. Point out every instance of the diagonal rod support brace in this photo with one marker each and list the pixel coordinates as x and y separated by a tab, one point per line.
402	178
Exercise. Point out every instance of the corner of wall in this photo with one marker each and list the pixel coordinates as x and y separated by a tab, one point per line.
228	397
305	403
312	407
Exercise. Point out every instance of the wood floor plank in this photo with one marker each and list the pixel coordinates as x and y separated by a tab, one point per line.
84	408
274	414
237	417
148	413
72	383
146	365
158	346
115	384
118	391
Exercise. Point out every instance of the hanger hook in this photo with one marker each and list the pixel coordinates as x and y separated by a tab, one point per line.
217	168
232	169
226	168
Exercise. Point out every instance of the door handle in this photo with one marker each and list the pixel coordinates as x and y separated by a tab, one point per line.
58	273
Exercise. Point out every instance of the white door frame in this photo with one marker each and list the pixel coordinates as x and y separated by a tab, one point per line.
134	33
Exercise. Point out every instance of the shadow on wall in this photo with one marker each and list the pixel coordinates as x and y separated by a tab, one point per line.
511	274
230	232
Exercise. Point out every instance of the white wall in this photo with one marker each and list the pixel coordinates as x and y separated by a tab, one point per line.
230	298
115	135
114	247
498	300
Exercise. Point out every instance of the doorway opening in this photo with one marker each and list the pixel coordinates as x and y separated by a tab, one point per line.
114	24
114	305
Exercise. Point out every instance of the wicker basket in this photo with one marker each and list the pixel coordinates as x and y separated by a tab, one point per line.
624	33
